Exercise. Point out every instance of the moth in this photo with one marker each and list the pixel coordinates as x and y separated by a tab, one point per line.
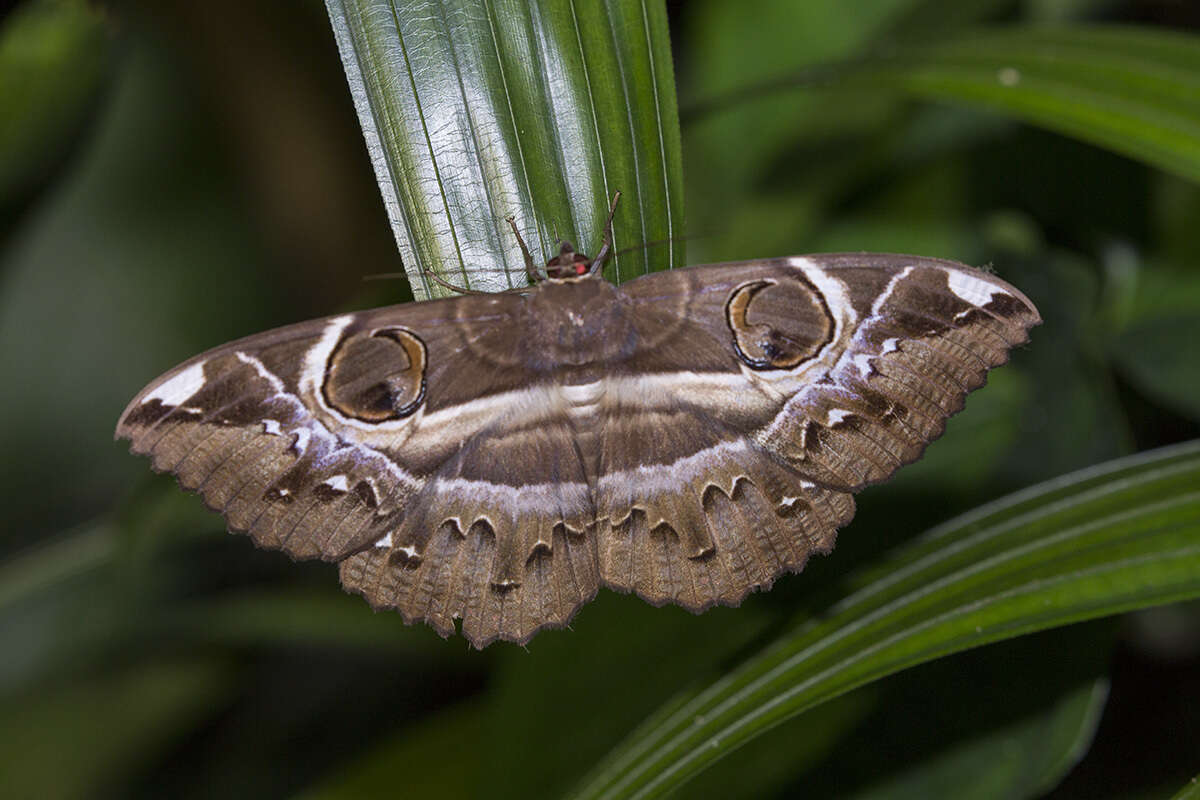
688	435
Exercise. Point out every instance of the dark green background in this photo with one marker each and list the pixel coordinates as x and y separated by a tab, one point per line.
177	175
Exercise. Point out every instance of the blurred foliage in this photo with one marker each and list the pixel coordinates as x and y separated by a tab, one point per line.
54	58
1116	537
176	175
1189	792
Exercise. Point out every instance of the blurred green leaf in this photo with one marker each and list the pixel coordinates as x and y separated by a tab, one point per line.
1018	761
1189	792
538	694
1121	536
47	567
54	58
413	763
801	747
735	149
68	603
1004	721
1133	90
110	281
76	742
1158	355
1158	319
977	725
476	112
113	585
307	617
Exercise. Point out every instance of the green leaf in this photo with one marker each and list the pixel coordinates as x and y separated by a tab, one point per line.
474	112
972	726
298	617
1108	539
1160	310
748	42
1133	90
798	755
104	725
1189	792
1025	759
141	227
417	751
612	641
1151	355
53	57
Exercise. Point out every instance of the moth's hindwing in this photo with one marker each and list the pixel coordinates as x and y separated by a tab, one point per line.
688	436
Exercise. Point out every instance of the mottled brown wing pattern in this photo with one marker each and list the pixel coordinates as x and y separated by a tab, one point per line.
230	425
837	370
509	551
689	436
374	440
691	511
924	333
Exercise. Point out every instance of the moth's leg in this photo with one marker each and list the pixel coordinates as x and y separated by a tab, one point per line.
607	246
530	270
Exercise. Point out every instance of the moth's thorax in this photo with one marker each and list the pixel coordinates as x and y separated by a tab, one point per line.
575	322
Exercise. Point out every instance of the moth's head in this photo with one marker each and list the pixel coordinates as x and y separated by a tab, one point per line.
568	264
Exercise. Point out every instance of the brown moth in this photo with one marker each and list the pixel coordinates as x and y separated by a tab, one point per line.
689	435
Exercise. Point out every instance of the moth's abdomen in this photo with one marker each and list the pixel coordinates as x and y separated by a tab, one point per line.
582	406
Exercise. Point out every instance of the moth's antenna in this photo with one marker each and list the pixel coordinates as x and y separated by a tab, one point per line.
529	268
381	276
598	261
446	285
464	290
